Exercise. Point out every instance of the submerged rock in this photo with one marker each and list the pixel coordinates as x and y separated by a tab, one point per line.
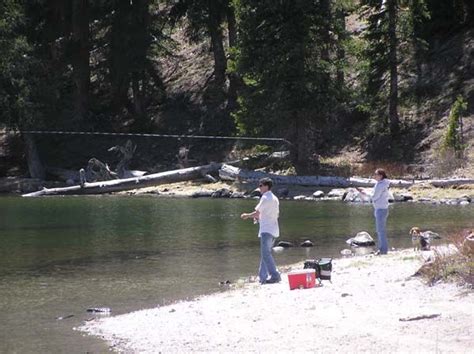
277	249
362	239
99	309
284	244
306	243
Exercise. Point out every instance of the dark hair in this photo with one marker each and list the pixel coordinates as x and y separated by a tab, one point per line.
266	182
381	172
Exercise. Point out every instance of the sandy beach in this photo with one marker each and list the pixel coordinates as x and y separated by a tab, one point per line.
363	309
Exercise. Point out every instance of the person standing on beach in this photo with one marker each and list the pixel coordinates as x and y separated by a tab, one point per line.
380	197
266	213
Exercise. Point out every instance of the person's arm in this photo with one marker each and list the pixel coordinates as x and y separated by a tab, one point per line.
254	215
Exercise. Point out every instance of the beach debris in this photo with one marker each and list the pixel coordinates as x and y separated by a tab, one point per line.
362	239
64	317
345	294
284	244
172	310
278	249
346	252
306	243
421	317
225	282
99	309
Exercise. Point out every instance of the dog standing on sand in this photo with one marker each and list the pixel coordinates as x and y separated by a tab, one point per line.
419	240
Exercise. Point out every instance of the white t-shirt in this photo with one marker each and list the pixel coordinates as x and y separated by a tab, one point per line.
269	208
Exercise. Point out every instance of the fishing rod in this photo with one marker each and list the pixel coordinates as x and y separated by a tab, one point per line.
151	135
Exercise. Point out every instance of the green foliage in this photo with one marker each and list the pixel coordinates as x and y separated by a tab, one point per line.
453	137
281	62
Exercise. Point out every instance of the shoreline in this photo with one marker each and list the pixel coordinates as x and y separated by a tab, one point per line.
463	195
360	310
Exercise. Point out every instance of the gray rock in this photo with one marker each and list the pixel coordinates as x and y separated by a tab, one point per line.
337	193
318	194
222	193
306	243
362	239
464	202
255	193
238	195
299	197
284	244
402	197
202	194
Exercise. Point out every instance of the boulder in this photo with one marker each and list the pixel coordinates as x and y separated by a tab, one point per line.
318	194
362	239
278	249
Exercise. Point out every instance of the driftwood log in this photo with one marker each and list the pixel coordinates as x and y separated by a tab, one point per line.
131	183
232	173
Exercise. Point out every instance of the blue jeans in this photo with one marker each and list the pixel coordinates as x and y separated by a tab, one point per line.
381	216
267	263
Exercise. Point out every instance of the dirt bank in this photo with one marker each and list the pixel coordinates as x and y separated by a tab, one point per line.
359	311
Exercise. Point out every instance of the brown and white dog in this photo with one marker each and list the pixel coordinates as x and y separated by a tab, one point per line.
418	240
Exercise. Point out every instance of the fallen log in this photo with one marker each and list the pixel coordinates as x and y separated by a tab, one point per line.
116	185
232	173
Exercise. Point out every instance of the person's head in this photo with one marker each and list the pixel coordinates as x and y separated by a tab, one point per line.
380	174
265	184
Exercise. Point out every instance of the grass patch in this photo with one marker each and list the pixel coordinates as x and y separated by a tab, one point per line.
455	264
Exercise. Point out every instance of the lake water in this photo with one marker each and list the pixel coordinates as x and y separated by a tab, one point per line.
60	256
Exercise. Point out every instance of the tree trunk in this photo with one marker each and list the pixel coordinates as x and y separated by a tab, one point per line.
393	95
80	57
233	80
341	19
215	31
326	29
35	167
131	183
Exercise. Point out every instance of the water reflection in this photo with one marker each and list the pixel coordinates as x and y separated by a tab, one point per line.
59	256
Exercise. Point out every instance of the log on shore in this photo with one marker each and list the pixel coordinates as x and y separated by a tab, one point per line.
231	173
117	185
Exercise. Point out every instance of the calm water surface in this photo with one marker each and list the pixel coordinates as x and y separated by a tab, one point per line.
59	256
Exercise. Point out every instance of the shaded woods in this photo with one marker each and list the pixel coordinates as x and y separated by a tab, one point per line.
323	73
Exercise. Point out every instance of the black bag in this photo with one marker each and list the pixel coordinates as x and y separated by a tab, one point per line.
322	266
325	266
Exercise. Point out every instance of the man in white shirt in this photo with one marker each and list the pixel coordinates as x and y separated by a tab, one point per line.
266	212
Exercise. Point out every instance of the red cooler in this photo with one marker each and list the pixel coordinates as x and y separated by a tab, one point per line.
302	279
